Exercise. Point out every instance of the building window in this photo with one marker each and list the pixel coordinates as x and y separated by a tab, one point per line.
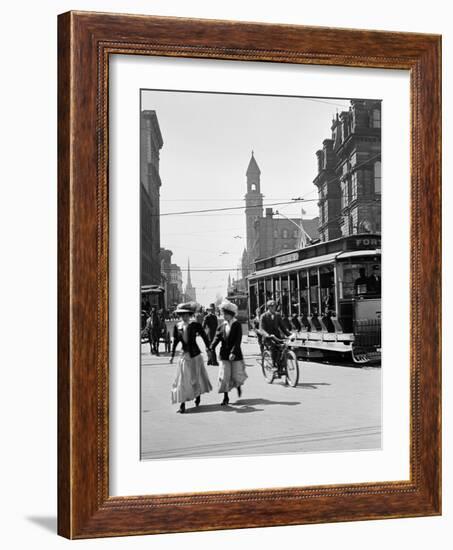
285	246
323	213
377	177
353	222
275	233
354	187
285	234
253	186
295	233
344	194
376	118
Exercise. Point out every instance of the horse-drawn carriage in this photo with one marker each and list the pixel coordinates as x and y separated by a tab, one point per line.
154	327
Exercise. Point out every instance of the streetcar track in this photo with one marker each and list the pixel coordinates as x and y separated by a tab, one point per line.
224	448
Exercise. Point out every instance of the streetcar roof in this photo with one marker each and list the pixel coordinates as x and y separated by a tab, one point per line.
152	289
354	253
311	262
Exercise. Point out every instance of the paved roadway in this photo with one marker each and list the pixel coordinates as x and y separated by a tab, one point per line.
333	408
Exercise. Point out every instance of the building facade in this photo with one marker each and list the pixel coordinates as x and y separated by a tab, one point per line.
171	279
151	143
266	234
349	173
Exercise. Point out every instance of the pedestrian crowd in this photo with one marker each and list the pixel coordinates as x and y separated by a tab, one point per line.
192	379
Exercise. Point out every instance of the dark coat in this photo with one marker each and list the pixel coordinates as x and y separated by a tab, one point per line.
194	329
231	343
210	324
275	326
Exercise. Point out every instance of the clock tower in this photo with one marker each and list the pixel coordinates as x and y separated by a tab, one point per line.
253	206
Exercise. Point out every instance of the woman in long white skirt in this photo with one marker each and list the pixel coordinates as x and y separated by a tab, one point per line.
191	376
232	366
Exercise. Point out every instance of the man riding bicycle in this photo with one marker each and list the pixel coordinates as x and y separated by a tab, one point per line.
273	330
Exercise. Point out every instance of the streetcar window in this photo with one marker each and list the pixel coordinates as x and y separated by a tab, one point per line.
261	296
314	291
284	298
294	299
327	289
253	302
269	290
277	289
360	279
303	292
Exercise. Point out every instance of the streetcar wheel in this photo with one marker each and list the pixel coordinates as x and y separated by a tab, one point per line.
267	367
292	369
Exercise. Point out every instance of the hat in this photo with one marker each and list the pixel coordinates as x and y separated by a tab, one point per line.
271	303
211	306
229	306
186	307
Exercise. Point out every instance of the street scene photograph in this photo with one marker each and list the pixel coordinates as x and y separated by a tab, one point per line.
260	274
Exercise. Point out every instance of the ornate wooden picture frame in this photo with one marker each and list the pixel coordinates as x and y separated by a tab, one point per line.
85	508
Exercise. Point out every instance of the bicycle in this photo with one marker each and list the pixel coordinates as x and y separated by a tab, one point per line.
286	363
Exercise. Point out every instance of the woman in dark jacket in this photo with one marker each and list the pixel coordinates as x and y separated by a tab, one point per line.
191	377
232	367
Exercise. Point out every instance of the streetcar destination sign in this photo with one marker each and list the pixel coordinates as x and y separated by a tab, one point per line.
287	258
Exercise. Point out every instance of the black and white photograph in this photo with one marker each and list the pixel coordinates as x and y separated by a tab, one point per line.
260	274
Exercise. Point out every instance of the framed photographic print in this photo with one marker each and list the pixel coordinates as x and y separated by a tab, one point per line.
249	275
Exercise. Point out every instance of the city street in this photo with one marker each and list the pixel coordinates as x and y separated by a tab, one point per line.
333	408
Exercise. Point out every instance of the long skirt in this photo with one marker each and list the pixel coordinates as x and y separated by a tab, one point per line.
191	379
231	375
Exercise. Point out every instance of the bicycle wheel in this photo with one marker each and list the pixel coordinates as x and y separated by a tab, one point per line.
267	367
292	369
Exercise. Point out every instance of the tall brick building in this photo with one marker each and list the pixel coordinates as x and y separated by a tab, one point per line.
349	173
150	144
266	234
171	279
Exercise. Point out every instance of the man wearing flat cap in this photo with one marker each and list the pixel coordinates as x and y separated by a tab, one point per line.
272	326
210	324
271	322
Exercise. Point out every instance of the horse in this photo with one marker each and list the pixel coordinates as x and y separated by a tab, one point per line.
154	329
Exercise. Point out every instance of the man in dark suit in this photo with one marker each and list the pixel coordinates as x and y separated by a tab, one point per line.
210	324
271	327
374	282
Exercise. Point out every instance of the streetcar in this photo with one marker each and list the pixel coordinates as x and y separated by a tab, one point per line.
241	300
329	295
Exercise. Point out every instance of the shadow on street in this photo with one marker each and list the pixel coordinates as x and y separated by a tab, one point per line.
311	385
239	406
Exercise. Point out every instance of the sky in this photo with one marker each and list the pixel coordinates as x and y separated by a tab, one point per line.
208	140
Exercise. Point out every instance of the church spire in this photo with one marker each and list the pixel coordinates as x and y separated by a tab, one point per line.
253	168
191	292
189	282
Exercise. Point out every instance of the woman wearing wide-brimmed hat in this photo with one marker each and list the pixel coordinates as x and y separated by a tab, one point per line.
232	366
191	377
